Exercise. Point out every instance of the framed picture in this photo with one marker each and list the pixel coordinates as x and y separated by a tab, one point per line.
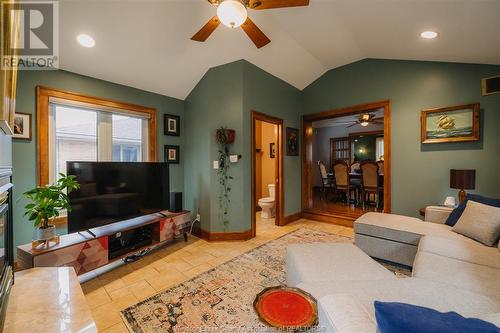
22	126
171	125
451	124
272	150
292	141
171	154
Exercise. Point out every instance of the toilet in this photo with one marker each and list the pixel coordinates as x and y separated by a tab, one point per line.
268	203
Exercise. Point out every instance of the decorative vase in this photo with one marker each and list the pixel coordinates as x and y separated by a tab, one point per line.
45	234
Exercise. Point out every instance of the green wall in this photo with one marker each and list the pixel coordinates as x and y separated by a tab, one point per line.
225	96
420	173
216	101
24	152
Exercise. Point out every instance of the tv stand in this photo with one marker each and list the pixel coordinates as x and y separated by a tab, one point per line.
84	254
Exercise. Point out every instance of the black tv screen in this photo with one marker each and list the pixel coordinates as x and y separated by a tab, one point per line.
116	191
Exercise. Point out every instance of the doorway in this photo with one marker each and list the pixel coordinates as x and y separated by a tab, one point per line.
267	171
346	163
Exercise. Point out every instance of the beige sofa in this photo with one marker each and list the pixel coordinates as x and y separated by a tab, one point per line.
450	272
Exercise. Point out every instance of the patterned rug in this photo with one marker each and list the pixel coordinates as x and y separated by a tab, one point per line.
221	299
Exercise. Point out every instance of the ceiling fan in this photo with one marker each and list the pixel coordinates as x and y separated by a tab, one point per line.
234	13
366	119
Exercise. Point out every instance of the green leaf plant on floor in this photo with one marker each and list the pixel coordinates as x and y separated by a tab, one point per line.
46	202
225	137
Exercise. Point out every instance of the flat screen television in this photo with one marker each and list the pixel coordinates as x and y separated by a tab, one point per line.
116	191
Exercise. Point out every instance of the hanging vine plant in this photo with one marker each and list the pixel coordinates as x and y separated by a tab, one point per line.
225	137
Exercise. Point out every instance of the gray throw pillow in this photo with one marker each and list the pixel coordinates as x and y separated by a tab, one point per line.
480	222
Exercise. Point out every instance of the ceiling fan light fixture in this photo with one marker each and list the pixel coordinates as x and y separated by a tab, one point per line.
232	13
364	123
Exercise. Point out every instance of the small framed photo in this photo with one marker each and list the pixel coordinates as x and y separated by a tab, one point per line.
451	124
22	126
171	154
292	141
272	150
171	125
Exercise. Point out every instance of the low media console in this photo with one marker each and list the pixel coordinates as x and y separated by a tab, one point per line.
86	252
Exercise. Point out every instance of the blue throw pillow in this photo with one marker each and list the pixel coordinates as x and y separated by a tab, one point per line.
457	212
400	317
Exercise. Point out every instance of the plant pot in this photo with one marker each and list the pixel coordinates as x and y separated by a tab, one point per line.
225	136
45	234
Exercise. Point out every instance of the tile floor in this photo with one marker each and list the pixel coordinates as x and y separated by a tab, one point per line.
122	285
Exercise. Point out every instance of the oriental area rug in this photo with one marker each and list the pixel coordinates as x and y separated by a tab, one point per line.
221	299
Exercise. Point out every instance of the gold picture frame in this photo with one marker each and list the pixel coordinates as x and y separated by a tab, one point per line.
451	124
8	75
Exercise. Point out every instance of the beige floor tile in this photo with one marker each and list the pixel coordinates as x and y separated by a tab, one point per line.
105	316
124	302
195	271
97	297
167	278
198	258
118	328
142	289
112	285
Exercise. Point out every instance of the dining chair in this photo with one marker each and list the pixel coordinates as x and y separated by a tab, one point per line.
355	167
326	182
380	167
342	183
370	183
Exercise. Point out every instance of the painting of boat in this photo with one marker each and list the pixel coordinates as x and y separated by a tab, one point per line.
455	124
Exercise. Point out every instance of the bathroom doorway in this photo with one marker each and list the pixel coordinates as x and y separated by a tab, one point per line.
267	171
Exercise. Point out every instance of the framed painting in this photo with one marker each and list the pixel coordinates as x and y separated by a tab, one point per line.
171	125
292	141
22	126
171	154
451	124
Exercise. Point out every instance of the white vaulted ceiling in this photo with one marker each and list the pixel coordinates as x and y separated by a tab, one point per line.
146	43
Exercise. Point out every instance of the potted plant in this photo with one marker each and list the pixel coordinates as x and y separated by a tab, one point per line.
224	137
45	204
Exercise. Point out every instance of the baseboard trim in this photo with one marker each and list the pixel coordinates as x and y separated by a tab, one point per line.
329	218
292	218
222	236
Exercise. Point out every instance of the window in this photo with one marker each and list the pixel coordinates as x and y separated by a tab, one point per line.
83	134
379	148
74	127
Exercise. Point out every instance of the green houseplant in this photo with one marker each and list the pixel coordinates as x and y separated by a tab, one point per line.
46	202
224	137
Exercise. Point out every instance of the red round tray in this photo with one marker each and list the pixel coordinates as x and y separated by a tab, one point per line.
286	308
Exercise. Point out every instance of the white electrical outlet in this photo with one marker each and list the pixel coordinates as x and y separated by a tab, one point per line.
216	164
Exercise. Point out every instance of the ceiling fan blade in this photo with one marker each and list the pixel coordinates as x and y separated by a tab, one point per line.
354	124
377	122
269	4
378	118
207	30
255	34
214	2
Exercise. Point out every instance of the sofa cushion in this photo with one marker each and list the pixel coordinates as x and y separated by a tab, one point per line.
459	273
331	261
457	212
437	295
472	252
395	317
348	315
400	228
480	222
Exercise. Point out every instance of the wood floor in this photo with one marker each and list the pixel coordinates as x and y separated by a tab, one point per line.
123	285
320	204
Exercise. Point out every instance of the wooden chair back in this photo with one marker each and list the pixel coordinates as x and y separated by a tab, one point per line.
369	174
341	170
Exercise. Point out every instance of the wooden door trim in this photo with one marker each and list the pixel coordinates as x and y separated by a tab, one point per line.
43	96
280	191
307	163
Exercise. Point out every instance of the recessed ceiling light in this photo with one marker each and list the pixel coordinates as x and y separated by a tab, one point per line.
429	34
85	40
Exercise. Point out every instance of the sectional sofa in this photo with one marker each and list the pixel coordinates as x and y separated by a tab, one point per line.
450	272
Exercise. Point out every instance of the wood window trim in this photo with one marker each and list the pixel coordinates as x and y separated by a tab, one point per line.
43	95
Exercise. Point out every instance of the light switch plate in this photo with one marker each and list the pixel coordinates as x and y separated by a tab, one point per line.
216	164
233	158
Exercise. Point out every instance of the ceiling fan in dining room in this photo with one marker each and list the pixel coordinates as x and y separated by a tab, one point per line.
366	119
234	14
